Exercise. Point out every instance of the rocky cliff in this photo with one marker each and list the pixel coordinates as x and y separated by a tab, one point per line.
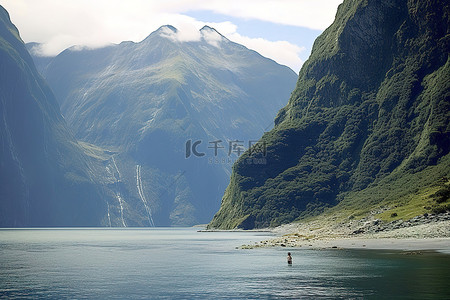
45	177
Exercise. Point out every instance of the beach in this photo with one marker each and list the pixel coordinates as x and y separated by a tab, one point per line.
429	232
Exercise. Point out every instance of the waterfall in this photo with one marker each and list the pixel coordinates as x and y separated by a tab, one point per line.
142	196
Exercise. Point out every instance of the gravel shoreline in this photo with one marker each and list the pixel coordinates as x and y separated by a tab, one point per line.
426	232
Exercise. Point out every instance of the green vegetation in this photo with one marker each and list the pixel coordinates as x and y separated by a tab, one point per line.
366	127
405	194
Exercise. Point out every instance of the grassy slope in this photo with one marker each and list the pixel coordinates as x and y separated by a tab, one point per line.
398	196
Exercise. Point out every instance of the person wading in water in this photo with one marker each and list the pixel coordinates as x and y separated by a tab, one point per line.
289	258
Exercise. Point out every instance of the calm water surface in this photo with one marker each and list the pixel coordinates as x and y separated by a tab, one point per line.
181	263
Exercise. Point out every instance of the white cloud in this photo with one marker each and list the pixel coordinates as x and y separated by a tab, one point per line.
282	52
61	24
212	37
313	14
186	32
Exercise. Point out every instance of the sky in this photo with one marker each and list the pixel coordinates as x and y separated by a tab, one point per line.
283	30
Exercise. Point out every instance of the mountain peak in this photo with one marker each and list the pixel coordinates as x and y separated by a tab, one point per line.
166	31
212	36
208	28
165	28
205	34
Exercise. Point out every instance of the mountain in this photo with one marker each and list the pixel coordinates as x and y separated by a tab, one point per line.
45	177
366	128
150	106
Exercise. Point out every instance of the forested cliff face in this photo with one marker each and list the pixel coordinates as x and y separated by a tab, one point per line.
367	122
45	178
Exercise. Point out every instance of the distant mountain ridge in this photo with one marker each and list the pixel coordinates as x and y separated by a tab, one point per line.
139	107
45	177
366	127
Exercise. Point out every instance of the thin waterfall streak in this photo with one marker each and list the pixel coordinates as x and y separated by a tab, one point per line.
142	196
109	216
121	209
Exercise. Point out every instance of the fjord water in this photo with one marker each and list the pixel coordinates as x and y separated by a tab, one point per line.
181	263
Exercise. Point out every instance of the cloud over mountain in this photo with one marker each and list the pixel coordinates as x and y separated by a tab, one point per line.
95	24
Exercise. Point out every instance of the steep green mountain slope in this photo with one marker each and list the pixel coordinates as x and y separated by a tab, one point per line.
143	102
45	178
367	125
